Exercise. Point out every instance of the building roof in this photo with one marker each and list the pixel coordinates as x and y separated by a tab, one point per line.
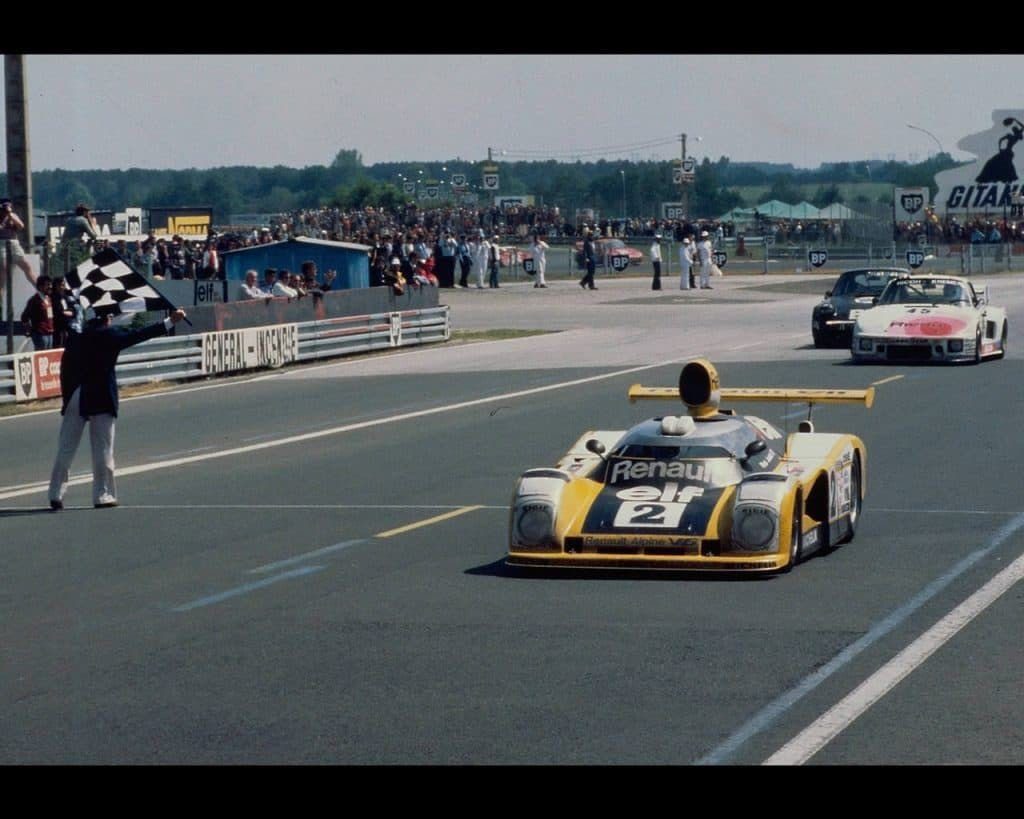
305	240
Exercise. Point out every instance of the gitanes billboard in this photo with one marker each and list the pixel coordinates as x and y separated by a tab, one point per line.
993	181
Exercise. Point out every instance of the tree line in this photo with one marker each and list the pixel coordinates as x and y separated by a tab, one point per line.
611	187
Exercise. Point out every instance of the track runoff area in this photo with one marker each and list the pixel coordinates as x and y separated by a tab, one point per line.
307	565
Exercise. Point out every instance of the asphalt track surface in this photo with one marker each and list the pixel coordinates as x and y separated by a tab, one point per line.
307	565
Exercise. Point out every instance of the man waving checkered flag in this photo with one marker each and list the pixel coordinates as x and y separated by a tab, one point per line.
105	280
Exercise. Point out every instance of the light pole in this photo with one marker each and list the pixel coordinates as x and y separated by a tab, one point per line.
622	173
925	131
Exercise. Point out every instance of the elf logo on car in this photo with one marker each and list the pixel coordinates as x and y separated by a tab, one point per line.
640	470
915	258
817	257
648	507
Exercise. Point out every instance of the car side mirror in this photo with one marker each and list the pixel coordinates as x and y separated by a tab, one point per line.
828	294
595	446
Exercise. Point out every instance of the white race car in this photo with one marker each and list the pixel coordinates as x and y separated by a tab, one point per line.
930	318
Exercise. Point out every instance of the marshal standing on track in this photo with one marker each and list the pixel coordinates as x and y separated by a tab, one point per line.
89	388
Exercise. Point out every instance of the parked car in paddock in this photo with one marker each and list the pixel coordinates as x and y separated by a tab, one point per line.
831	325
930	318
606	249
709	490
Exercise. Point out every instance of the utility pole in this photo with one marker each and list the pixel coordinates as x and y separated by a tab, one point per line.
19	176
686	186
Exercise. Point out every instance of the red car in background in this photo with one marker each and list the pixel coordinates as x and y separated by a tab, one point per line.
607	249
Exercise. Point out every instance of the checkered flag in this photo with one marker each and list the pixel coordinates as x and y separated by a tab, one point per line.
106	280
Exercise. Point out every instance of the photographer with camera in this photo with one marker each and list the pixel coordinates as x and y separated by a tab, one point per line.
72	251
10	226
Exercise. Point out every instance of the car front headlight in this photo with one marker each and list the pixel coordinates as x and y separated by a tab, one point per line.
827	308
956	345
534	524
865	344
754	527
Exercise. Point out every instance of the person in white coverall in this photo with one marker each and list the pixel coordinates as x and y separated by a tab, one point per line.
704	258
686	258
482	260
538	251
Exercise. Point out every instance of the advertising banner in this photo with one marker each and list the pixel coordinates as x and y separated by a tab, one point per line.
250	348
993	180
37	375
186	222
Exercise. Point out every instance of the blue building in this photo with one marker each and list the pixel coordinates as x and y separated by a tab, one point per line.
350	260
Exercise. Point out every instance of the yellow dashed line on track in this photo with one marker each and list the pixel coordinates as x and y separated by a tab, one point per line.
436	519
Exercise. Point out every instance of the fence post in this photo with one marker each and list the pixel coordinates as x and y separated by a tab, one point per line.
764	242
10	297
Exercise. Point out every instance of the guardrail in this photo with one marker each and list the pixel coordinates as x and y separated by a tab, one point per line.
200	355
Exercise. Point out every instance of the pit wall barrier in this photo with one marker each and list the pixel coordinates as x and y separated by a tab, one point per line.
33	376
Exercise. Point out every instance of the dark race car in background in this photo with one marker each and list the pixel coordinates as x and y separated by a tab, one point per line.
831	325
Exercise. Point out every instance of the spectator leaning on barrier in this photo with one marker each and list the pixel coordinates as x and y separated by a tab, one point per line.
282	287
249	289
269	279
37	317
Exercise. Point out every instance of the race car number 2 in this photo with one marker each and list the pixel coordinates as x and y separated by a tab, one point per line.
652	508
650	515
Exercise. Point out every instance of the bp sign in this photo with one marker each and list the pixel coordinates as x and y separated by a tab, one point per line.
915	258
529	267
720	257
817	257
620	261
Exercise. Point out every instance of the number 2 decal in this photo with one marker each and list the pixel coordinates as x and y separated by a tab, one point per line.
650	515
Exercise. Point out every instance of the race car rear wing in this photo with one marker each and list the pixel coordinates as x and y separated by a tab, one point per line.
701	391
810	396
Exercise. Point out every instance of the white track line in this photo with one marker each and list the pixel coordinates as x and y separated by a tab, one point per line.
771	713
310	436
823	730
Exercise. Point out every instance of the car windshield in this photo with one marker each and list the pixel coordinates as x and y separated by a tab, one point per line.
862	283
924	291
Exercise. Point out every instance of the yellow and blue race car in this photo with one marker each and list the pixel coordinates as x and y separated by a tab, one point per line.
705	490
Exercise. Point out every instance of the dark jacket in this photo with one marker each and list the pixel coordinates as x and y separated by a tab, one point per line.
89	360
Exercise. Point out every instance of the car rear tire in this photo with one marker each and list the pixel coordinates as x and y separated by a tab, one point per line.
977	347
1002	344
819	342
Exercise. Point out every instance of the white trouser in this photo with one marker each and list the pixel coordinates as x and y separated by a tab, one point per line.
101	437
540	274
705	274
684	278
480	267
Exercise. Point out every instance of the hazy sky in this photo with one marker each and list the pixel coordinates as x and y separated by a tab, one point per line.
181	111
